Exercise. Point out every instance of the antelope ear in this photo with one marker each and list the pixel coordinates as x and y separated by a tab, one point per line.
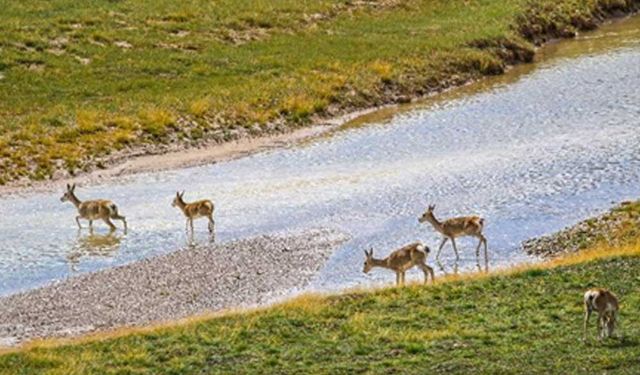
68	187
178	194
182	194
73	187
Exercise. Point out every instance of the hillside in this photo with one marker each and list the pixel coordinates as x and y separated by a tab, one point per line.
82	83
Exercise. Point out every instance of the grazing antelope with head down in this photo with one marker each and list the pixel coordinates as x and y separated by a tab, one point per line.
401	260
201	208
93	210
606	304
457	227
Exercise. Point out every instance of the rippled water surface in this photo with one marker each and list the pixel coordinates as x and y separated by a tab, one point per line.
532	151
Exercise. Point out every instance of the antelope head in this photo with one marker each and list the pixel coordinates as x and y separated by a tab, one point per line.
368	262
178	201
428	214
68	195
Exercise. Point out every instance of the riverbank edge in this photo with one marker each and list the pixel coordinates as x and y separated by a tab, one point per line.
315	301
615	227
534	26
206	279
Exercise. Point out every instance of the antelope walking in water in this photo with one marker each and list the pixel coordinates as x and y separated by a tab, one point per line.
401	260
93	210
457	227
606	304
201	208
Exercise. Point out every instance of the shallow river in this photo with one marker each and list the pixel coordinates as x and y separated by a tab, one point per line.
532	151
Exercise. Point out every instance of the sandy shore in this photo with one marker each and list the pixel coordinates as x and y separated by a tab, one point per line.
237	274
170	157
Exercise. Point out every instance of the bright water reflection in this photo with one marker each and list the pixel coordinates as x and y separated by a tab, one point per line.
553	146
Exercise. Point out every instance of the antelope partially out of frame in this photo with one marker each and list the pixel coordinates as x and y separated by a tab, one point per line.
457	227
606	304
401	260
104	210
201	208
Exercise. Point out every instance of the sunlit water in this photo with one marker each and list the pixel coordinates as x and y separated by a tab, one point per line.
533	151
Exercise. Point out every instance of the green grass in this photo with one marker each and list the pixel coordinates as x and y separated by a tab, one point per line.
525	322
80	80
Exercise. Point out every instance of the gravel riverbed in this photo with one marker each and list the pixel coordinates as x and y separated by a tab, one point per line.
191	281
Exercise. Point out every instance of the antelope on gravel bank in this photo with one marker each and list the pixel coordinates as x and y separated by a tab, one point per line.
102	209
457	227
194	210
606	304
401	260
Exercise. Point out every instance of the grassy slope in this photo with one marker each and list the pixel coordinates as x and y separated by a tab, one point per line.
79	80
524	321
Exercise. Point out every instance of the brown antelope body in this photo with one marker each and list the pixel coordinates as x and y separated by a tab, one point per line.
99	209
606	304
457	227
194	210
401	260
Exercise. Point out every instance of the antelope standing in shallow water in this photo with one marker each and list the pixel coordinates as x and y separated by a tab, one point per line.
457	227
201	208
102	209
401	260
606	304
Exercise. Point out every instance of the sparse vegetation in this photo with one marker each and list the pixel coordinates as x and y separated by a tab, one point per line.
619	226
81	80
527	320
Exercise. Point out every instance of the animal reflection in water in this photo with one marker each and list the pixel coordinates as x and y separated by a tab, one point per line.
93	245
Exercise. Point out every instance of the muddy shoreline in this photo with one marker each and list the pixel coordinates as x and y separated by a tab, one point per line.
161	157
237	274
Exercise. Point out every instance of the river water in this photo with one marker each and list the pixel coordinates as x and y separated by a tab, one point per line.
539	148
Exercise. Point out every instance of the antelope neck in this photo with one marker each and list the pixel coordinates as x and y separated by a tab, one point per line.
181	204
73	199
436	224
379	262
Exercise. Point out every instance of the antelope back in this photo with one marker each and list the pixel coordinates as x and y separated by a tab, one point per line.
407	256
601	300
97	208
465	225
199	208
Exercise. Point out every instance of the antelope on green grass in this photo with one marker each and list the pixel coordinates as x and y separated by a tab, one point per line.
102	209
606	304
401	260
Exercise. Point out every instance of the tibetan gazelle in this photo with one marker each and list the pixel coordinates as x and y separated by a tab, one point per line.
201	208
457	227
401	260
104	210
606	304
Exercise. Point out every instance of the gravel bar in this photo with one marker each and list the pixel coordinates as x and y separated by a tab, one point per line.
191	281
604	228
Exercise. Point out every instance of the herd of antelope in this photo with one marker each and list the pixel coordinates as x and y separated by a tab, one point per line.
106	210
602	301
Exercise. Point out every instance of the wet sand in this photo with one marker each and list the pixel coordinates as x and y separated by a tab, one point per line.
244	273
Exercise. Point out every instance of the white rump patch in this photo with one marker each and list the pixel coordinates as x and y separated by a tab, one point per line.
420	247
